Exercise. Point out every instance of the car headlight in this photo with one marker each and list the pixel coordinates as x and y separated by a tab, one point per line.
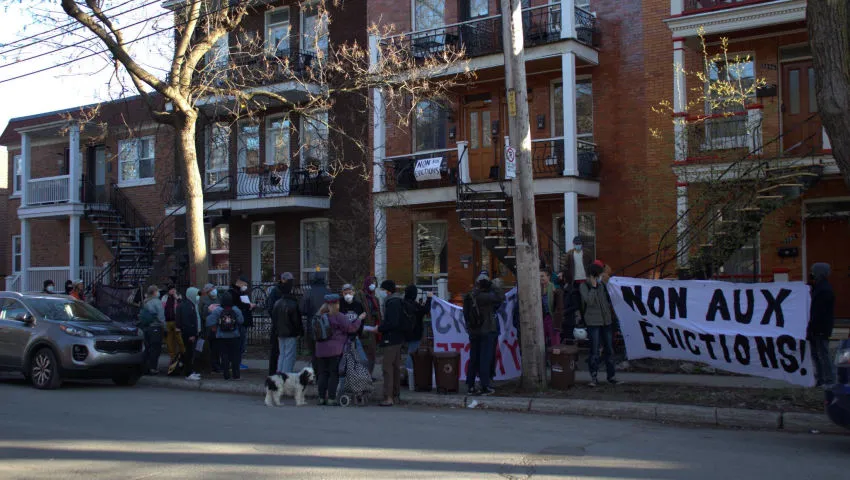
77	332
842	357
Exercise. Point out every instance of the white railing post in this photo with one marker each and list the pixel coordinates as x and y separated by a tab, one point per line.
568	19
680	101
443	288
75	167
379	133
570	219
74	247
26	159
570	133
25	254
463	161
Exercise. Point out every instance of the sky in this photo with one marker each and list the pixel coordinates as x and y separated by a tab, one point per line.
84	82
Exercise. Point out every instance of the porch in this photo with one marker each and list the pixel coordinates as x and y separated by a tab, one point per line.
35	277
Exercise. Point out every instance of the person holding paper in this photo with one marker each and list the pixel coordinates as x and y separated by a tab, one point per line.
242	300
599	319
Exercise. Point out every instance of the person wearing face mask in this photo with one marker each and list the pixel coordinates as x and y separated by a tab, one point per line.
287	325
240	293
173	335
208	303
205	360
372	307
49	287
189	320
575	266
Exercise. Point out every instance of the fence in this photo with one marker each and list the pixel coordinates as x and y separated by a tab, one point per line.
41	191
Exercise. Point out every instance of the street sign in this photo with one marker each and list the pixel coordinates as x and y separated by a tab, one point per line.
510	162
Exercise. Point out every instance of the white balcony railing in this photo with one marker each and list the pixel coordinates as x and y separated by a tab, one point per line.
219	278
37	276
44	191
89	274
13	283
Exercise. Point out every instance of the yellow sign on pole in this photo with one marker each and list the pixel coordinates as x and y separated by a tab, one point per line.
512	102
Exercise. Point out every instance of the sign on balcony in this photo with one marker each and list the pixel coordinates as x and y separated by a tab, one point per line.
428	169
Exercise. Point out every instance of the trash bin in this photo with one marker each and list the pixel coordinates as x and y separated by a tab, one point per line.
423	369
447	371
563	358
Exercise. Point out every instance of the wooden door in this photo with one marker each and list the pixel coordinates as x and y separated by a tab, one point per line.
824	240
478	123
802	132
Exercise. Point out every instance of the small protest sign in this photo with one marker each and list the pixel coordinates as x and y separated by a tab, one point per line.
428	169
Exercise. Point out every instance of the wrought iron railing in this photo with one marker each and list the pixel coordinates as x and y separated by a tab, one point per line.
399	171
710	134
248	68
255	182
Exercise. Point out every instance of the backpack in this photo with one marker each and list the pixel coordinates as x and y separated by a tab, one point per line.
227	321
408	321
471	313
320	326
146	318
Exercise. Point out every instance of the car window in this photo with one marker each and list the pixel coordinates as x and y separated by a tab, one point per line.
11	309
64	309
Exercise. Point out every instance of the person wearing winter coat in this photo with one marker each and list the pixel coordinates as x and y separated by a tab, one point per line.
154	331
328	352
173	336
189	323
372	306
241	294
552	302
418	310
482	339
229	342
286	322
209	297
821	322
599	319
392	339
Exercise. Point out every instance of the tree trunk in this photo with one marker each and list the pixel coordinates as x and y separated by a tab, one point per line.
525	220
829	37
194	193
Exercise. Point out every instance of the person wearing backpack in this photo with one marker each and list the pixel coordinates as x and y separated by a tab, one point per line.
393	336
152	324
332	329
479	312
227	321
415	312
286	321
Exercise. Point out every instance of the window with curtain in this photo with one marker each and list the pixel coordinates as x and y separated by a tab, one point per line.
431	252
730	82
277	31
315	248
584	109
135	159
17	174
314	141
430	126
248	152
429	14
277	140
314	32
220	248
217	154
219	54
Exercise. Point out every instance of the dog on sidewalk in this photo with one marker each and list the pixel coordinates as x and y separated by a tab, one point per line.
293	384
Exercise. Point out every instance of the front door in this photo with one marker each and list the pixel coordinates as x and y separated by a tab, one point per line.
262	258
822	237
96	173
802	130
478	127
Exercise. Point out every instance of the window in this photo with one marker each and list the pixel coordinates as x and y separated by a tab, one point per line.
587	232
263	251
430	252
744	263
584	109
13	310
277	31
315	248
314	30
17	256
479	8
135	161
730	84
429	127
428	14
218	154
248	146
314	142
219	54
17	174
277	141
219	267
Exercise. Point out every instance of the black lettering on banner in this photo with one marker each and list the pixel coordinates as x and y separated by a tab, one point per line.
645	329
723	346
656	301
774	306
679	338
744	317
446	319
718	304
689	336
709	344
742	349
633	298
678	302
767	352
669	336
787	347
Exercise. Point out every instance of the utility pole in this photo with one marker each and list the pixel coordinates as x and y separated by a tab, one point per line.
525	223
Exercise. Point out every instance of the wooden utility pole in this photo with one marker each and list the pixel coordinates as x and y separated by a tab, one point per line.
525	223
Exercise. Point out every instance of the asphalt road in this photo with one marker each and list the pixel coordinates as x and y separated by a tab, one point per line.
99	431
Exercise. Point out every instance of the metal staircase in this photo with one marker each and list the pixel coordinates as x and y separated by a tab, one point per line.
486	216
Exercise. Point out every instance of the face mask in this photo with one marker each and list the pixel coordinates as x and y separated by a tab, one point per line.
348	298
578	248
243	288
382	294
50	288
213	293
372	287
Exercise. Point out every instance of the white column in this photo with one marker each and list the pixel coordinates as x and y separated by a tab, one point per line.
75	167
570	133
677	7
682	223
443	288
25	255
74	247
568	19
827	146
26	159
463	161
379	133
680	100
380	222
570	219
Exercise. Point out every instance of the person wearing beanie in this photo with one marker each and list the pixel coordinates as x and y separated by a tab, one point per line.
188	321
240	292
367	297
329	351
286	327
229	344
210	355
418	309
821	322
392	339
274	294
481	304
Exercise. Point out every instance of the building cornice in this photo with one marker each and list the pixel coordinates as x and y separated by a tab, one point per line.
738	18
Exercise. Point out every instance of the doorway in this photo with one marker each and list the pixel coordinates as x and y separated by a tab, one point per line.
262	252
827	226
803	135
95	187
479	127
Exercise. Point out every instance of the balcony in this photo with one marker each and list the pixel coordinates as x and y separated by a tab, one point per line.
711	138
717	17
398	171
483	36
48	190
59	275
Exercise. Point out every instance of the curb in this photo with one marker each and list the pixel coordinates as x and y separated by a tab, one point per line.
656	412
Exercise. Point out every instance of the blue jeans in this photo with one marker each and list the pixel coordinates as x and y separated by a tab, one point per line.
288	350
481	348
412	347
824	371
605	336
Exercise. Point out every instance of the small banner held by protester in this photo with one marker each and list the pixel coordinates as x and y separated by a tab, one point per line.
428	169
450	335
752	329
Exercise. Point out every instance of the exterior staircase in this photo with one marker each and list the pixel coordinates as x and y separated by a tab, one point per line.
486	216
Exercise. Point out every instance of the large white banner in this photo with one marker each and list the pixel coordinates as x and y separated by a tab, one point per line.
753	329
427	169
450	336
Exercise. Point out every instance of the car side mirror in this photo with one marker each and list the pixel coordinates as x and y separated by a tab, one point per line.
26	318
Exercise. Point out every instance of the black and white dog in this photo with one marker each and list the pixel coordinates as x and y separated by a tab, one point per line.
289	384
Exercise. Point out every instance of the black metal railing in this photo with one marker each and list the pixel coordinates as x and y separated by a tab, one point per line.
124	206
256	182
399	172
248	68
706	136
588	160
91	193
547	158
587	28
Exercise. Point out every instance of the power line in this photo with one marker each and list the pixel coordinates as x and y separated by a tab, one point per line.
63	27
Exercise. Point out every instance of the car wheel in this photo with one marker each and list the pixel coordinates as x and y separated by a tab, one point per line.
44	370
126	380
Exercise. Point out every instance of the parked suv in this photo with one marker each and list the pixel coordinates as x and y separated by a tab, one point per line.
838	394
50	338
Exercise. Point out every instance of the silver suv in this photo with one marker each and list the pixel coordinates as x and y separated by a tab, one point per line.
49	338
